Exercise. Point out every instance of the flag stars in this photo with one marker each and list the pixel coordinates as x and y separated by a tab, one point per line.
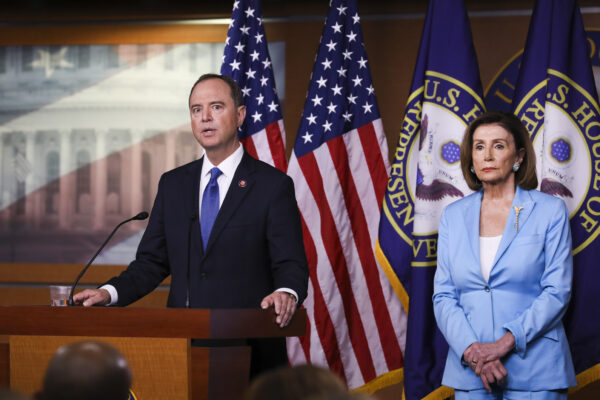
331	45
337	90
263	81
235	65
322	82
357	81
342	10
236	4
246	91
331	107
342	72
255	55
273	106
259	20
356	18
370	89
316	100
227	41
307	137
245	30
352	99
267	63
347	55
327	126
312	119
240	47
326	64
362	63
258	37
337	28
347	116
256	116
250	73
367	107
351	36
231	23
260	99
249	12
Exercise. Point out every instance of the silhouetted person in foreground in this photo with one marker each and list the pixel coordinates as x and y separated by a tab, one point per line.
304	382
87	370
7	394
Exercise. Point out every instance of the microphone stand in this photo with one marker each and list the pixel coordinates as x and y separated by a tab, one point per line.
141	216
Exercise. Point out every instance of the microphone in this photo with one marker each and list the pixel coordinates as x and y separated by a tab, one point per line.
139	217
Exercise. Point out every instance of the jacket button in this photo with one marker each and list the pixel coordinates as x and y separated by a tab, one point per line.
487	288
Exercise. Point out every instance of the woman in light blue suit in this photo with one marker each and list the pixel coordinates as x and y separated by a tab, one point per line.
504	271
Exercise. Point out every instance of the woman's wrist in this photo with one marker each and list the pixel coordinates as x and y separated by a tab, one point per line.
507	342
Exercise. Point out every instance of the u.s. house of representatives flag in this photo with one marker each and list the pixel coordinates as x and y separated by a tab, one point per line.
339	166
556	99
246	59
445	96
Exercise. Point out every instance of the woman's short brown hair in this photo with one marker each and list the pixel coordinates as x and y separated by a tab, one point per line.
526	176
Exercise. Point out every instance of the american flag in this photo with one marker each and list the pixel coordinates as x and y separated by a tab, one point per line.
246	59
340	169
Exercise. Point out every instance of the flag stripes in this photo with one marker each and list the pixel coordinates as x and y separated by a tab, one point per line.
342	203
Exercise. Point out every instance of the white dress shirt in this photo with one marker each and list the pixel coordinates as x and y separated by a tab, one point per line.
228	167
488	247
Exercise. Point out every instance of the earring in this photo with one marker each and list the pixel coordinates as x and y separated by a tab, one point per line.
472	169
515	167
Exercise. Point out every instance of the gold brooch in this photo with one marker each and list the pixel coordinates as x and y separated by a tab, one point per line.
517	212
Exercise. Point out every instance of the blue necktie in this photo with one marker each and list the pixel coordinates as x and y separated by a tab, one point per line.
210	205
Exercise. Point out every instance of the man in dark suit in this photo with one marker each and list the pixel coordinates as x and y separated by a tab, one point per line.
225	227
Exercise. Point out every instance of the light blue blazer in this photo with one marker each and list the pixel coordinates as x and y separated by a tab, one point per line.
527	293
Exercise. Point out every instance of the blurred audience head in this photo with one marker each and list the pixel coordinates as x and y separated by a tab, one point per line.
6	394
87	370
304	382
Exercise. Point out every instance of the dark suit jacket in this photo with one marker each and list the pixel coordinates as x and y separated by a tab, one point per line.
254	248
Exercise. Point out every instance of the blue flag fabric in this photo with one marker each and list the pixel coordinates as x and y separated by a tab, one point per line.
446	95
556	99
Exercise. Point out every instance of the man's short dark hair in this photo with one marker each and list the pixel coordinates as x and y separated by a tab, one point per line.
87	370
236	92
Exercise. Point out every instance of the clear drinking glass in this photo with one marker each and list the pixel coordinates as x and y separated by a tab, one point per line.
59	295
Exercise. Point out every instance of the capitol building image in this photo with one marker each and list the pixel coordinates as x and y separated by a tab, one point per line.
86	132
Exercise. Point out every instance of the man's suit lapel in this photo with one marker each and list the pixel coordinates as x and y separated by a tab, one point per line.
523	201
240	186
191	192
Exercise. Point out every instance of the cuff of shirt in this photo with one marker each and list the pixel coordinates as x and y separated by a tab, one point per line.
287	290
114	296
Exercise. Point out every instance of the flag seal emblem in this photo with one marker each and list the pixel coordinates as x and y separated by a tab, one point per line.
561	117
428	169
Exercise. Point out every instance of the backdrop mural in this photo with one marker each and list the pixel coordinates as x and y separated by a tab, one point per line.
85	133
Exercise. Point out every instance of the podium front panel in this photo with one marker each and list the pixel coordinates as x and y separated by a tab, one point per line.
161	367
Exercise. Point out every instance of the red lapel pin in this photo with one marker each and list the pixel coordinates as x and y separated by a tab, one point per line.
242	183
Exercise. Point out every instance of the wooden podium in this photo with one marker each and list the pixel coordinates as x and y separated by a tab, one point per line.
156	342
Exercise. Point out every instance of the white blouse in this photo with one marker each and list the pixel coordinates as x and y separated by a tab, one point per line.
488	246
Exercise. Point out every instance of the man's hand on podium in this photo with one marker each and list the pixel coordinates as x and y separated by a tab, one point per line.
285	306
92	297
